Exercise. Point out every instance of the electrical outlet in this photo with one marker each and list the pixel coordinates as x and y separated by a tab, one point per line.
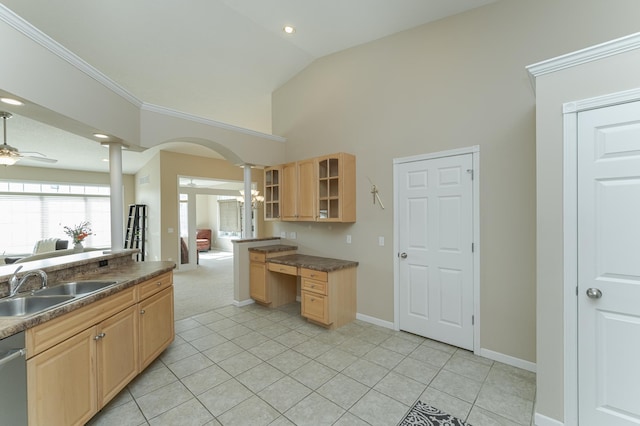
293	235
169	230
380	241
348	239
283	234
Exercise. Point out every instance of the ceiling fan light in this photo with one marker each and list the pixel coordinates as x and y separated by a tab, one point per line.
101	136
8	160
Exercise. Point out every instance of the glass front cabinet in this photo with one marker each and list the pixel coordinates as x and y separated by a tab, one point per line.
272	193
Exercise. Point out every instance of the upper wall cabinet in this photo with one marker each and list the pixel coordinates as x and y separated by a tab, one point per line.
299	191
336	177
272	193
318	189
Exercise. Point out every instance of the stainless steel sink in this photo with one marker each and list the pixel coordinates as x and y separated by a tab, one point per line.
74	288
28	305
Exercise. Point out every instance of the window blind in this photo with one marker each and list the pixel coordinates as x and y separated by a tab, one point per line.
229	215
27	218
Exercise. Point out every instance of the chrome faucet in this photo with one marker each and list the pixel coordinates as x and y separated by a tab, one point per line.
15	283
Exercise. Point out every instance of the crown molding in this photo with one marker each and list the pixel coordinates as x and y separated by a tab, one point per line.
589	54
25	28
213	123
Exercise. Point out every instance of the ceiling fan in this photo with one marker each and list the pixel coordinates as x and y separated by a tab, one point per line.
10	155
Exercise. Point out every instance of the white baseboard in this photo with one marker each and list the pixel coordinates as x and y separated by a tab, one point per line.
540	420
509	360
374	321
243	302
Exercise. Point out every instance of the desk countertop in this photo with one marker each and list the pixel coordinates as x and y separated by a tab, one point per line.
316	263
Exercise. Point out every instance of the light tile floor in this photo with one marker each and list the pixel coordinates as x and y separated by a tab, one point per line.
259	366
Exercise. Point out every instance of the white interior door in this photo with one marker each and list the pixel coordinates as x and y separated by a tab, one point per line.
609	266
435	234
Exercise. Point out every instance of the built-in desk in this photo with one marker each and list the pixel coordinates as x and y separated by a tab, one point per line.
327	286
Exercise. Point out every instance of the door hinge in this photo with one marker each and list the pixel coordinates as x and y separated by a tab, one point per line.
576	290
473	320
473	247
470	171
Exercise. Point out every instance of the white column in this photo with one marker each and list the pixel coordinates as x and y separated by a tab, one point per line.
117	197
247	202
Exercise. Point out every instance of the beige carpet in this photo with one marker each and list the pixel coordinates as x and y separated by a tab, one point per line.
207	287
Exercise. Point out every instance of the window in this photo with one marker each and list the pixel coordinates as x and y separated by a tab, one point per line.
32	211
229	214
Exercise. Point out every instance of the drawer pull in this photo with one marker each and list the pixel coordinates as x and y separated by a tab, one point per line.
142	311
313	300
100	336
159	283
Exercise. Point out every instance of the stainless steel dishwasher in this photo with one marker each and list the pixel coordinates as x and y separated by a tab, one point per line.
13	381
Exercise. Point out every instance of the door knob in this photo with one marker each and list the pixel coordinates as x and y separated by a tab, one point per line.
594	293
403	255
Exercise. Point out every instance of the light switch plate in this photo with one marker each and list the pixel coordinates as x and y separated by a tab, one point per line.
348	239
293	235
283	234
380	241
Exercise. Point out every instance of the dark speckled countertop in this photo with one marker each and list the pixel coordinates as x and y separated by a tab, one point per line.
126	275
316	263
273	248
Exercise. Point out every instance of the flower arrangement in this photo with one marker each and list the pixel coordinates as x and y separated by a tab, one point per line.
79	232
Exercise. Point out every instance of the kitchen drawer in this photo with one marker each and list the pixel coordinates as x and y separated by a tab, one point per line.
313	274
314	286
283	269
50	333
315	307
154	285
257	257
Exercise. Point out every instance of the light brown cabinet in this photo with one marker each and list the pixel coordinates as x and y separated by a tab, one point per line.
155	309
78	362
328	298
272	193
317	189
299	191
336	188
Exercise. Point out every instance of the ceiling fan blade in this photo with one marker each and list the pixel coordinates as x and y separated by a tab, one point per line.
42	159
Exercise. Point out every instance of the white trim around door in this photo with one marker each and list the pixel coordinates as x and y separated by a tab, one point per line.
570	216
475	151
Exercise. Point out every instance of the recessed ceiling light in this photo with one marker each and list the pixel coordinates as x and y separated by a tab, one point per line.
100	136
11	101
289	29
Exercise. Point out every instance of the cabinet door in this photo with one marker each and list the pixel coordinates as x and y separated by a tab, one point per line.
258	288
307	190
117	347
336	188
61	382
272	193
289	193
155	325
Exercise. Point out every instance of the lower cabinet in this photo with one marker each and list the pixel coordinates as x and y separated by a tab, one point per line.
328	298
78	362
62	382
156	325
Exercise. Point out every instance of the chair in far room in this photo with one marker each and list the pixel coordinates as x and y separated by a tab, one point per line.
203	239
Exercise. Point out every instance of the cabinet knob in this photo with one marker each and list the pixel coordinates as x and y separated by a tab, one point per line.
142	311
159	283
100	336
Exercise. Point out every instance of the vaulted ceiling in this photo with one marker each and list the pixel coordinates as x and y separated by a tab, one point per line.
217	59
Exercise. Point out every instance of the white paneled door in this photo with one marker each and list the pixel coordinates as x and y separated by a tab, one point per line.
609	266
435	232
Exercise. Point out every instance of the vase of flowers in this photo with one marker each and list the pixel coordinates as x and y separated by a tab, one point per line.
78	233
